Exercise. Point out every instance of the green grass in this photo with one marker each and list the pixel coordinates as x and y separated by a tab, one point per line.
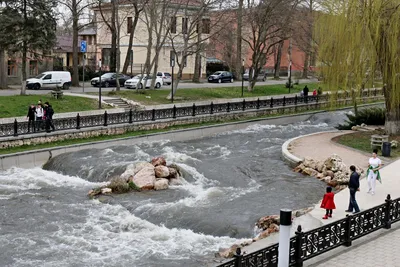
362	142
153	97
133	134
15	106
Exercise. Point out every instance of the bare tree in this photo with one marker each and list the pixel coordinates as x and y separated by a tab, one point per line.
77	9
268	24
239	16
108	11
3	69
277	58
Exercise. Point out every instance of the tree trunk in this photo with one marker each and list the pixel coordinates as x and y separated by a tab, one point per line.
155	69
23	69
75	68
113	52
238	65
278	60
197	68
305	65
118	54
128	56
3	70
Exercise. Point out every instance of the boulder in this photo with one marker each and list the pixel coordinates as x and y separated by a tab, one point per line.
334	163
310	163
173	173
177	169
320	166
330	174
132	169
161	184
161	171
141	165
320	176
266	221
310	172
229	252
158	161
145	178
326	179
106	190
394	143
299	168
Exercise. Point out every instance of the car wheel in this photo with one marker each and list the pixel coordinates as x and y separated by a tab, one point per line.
169	83
36	86
219	81
65	86
106	84
140	86
158	85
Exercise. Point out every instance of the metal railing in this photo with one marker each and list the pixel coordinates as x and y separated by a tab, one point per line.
21	127
306	245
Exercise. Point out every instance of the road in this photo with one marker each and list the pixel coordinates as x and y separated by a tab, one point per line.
15	90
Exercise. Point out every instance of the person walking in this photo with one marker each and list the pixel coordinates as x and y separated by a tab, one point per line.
39	117
328	203
31	118
374	165
305	92
48	115
354	186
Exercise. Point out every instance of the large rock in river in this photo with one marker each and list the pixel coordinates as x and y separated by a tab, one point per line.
158	161
134	168
145	178
161	171
161	184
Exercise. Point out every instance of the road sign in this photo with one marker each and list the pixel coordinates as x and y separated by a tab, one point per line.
83	46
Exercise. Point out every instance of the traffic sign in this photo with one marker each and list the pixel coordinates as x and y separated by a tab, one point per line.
83	46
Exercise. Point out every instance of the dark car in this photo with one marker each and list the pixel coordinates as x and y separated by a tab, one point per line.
110	79
220	76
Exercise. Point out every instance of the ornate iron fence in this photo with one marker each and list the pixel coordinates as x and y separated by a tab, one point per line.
22	128
306	245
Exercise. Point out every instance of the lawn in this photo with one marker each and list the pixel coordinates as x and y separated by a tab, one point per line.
15	106
153	97
362	141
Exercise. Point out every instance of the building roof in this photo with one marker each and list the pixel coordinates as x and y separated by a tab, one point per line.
63	44
88	30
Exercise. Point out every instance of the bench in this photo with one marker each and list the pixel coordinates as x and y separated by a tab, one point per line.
57	94
378	140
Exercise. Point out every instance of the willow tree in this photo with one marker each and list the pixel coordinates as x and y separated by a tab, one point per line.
358	44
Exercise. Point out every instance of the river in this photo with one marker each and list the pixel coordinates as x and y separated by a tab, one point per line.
231	180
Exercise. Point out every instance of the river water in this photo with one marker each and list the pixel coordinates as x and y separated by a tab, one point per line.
231	180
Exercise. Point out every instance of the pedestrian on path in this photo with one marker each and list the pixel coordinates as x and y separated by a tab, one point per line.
31	118
374	164
305	92
48	115
328	203
354	186
39	117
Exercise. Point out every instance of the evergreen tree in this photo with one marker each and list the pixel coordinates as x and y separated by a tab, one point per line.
27	26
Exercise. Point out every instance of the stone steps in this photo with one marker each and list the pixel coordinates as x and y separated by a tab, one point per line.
119	103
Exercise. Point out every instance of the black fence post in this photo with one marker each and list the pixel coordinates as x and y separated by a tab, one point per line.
16	127
295	100
347	234
298	251
174	112
272	102
78	121
258	103
153	115
130	116
194	110
105	118
238	258
244	105
284	100
228	107
212	108
388	201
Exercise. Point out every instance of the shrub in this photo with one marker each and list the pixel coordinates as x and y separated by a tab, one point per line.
369	116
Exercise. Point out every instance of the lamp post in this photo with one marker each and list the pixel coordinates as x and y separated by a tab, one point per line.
242	76
100	84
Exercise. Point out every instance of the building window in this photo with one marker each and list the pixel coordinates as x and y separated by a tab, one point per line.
184	25
173	25
90	40
12	68
206	25
129	26
33	68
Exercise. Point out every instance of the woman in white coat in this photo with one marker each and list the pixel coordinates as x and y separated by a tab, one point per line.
374	165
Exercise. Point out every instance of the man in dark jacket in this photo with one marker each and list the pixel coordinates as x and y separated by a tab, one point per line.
305	92
354	186
31	117
48	113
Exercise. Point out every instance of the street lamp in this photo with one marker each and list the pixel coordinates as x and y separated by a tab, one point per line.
100	84
242	75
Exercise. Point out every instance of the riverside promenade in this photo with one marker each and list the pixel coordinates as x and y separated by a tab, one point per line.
378	249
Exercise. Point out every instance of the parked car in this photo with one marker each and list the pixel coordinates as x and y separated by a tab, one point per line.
110	79
221	76
132	83
262	76
50	79
166	77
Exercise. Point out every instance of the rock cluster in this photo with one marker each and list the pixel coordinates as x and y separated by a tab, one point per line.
332	171
267	226
155	175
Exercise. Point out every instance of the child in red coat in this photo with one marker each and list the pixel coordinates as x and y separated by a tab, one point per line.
328	203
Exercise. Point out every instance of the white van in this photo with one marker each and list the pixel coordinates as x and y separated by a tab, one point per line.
50	79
